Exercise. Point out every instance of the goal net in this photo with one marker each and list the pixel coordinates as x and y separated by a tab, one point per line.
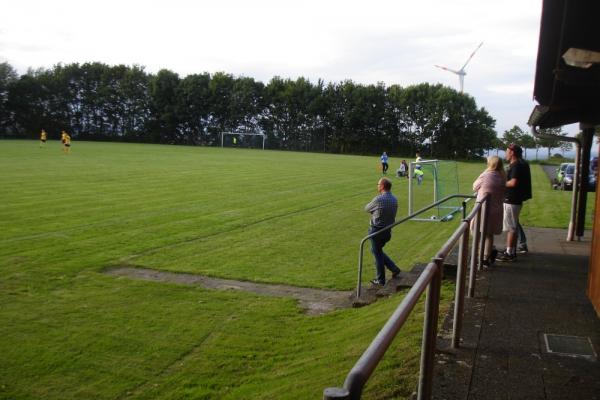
247	140
432	180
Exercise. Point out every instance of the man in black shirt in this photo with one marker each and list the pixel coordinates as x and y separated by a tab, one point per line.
518	190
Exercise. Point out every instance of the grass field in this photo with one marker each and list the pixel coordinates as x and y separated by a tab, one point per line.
69	331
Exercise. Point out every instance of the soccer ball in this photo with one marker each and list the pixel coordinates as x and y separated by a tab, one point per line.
433	217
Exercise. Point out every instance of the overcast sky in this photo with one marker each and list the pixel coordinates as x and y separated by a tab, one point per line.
395	41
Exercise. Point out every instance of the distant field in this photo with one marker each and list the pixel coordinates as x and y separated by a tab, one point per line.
70	331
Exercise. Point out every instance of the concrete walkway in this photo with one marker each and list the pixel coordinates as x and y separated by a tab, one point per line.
504	354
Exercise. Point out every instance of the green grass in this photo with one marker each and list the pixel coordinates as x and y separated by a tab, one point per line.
69	331
552	208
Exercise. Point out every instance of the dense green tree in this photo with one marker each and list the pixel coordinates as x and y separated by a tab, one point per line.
442	122
527	142
288	119
247	104
28	104
220	92
100	102
164	92
195	111
339	119
136	107
513	135
553	141
8	76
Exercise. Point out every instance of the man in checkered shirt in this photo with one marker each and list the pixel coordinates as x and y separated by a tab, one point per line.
383	213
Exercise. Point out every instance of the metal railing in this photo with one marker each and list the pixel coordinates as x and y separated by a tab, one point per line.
430	280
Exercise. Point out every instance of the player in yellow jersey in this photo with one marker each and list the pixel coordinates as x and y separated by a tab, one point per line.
43	137
66	141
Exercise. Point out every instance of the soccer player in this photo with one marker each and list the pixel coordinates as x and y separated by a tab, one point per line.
66	140
43	138
419	174
384	162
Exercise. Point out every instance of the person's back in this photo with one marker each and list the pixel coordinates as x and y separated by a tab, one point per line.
526	189
383	209
522	191
518	190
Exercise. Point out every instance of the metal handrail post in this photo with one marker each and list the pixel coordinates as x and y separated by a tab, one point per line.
459	297
432	306
484	222
474	255
360	268
410	182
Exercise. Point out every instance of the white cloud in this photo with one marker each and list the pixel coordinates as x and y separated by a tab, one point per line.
512	89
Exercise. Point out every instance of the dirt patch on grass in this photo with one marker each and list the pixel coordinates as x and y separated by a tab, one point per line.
313	301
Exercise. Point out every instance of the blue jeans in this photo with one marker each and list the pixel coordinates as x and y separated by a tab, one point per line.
522	241
381	259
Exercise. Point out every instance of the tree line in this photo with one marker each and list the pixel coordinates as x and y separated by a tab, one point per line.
526	141
95	101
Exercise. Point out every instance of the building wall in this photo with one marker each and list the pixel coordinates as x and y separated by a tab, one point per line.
593	291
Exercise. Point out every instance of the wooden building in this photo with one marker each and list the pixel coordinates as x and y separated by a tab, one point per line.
567	89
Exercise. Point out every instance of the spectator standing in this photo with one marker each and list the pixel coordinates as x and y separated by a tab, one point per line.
518	190
492	181
383	210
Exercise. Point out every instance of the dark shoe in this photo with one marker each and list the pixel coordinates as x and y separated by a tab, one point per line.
493	256
485	264
522	249
396	274
375	282
505	257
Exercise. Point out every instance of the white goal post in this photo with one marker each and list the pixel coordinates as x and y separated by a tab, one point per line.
440	180
242	134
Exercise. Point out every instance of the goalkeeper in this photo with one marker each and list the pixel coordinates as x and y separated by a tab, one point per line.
418	174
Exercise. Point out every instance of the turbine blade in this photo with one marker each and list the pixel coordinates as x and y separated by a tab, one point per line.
448	69
472	54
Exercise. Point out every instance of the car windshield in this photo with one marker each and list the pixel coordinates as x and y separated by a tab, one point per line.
570	169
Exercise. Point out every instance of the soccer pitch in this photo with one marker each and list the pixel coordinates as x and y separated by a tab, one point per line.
70	331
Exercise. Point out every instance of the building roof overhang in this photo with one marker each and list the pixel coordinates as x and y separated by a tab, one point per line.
567	78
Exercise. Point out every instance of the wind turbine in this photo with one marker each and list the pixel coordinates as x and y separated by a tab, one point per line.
461	72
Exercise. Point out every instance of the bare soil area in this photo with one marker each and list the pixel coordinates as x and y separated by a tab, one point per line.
313	301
